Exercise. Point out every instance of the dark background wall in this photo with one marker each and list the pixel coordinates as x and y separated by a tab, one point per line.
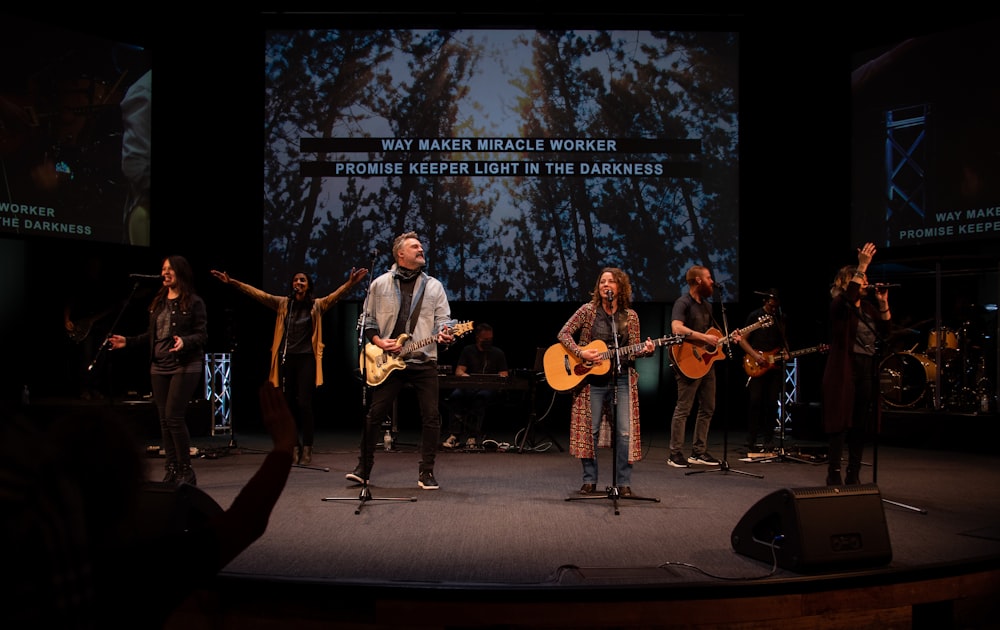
795	197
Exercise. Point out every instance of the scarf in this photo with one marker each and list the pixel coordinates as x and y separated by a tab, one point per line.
405	274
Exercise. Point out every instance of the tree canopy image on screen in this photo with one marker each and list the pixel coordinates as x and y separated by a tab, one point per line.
526	160
74	135
926	127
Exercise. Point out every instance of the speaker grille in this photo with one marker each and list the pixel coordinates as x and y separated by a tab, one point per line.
816	528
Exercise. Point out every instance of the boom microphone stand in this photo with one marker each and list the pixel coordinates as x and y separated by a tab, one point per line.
114	326
366	445
782	454
724	464
613	492
880	344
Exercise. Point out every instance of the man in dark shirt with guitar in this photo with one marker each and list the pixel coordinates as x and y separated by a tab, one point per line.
765	354
765	349
89	305
693	360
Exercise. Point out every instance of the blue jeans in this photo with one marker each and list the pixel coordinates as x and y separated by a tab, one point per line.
620	427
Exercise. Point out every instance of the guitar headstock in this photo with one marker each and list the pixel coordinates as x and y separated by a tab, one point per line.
765	321
460	328
670	340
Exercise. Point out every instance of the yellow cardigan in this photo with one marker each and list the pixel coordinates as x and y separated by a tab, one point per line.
280	304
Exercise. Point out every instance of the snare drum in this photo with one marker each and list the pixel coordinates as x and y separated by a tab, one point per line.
946	338
905	378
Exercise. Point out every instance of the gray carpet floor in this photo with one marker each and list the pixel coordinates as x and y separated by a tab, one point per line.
502	519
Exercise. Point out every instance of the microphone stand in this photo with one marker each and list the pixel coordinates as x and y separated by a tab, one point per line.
114	326
877	391
724	464
613	492
366	446
782	455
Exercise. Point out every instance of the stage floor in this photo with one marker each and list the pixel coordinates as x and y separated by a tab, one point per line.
509	525
504	518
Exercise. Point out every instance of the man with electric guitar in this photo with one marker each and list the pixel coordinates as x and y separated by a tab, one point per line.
91	298
406	315
765	351
693	360
763	348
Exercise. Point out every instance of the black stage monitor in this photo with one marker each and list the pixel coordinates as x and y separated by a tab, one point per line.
816	529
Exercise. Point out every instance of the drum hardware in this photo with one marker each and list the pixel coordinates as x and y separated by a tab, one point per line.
946	338
905	378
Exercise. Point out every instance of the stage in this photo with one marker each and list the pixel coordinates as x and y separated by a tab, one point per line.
500	545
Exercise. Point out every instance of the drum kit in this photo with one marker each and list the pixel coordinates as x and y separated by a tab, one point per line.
951	362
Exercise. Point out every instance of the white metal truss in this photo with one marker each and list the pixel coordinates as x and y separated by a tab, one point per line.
906	161
218	390
789	393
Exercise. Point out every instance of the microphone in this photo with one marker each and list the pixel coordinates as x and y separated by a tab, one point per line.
764	294
144	276
610	295
374	252
883	285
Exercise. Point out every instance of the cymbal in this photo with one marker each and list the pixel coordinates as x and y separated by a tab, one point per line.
922	322
902	332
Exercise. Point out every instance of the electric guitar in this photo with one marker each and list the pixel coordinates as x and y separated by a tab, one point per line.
773	358
83	326
694	359
564	371
378	364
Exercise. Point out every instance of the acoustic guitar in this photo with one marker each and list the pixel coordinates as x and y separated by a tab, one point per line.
564	370
694	359
379	364
773	358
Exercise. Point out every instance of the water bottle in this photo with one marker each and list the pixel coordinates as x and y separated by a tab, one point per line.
387	441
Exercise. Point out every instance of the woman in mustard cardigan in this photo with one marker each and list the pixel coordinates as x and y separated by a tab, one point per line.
297	348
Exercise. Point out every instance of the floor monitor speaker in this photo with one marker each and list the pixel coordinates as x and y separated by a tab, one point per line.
167	509
816	529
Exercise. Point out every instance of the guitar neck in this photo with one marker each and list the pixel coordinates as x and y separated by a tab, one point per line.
637	347
764	321
458	329
799	353
414	345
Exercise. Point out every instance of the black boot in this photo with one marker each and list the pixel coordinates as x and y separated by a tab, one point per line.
170	475
854	452
853	475
833	477
185	474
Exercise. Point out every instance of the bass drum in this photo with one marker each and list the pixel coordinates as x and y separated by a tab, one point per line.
905	378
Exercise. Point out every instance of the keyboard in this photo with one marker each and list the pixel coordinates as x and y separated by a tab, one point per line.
484	381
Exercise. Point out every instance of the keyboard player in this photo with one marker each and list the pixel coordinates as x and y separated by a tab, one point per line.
467	406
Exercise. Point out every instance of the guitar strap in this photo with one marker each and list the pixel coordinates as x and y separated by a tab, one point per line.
418	300
779	322
705	304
